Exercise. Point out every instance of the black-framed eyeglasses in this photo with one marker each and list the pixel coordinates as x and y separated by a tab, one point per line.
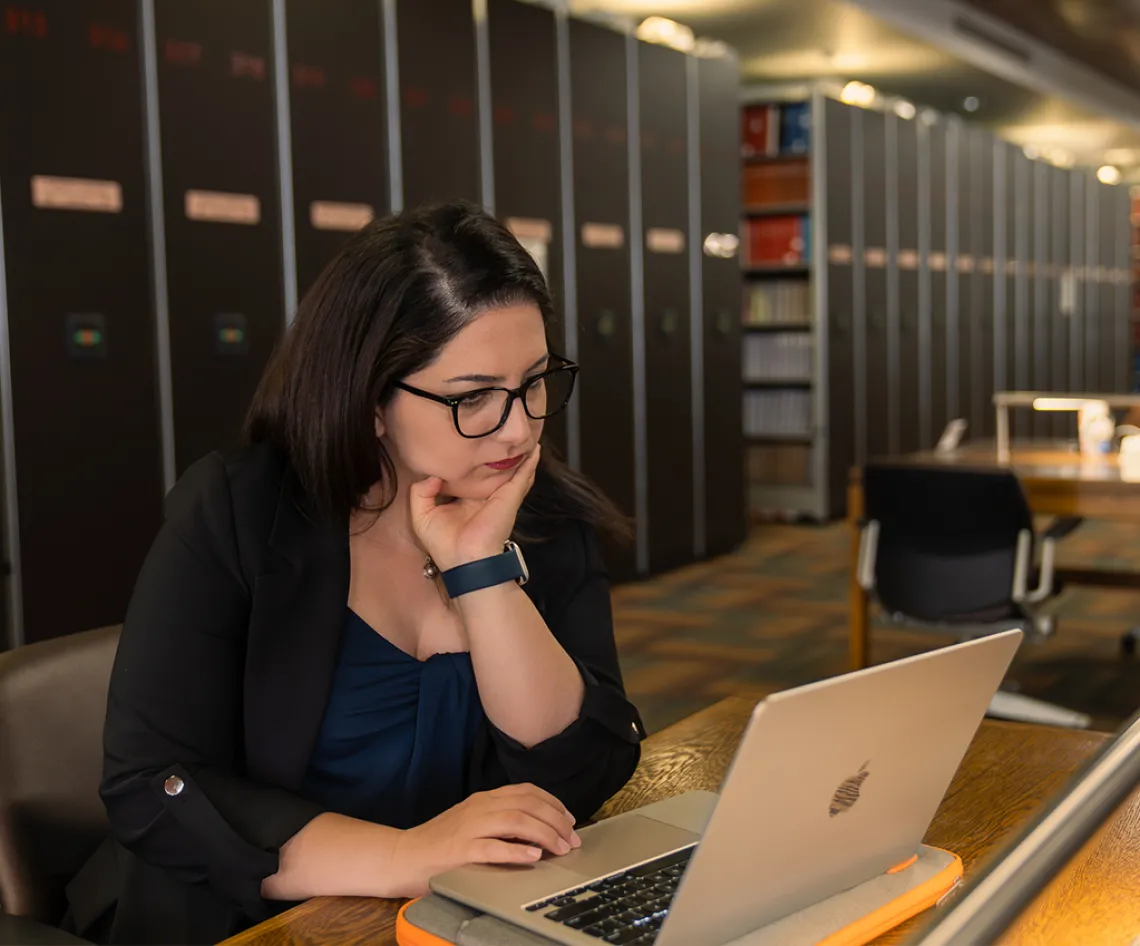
481	412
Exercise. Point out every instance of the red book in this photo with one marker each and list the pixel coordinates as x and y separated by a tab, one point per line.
775	241
760	133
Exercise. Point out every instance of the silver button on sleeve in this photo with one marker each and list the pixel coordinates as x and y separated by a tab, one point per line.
174	785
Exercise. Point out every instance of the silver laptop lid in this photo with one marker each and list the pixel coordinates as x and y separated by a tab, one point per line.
834	783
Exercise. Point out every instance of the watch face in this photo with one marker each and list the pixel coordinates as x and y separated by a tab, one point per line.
512	547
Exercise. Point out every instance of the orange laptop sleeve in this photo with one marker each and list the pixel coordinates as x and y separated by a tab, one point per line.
850	918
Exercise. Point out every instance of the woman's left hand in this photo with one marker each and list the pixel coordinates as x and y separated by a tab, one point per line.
464	530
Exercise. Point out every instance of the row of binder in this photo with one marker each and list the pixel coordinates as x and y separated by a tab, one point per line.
777	240
778	357
769	130
776	183
777	413
780	464
778	302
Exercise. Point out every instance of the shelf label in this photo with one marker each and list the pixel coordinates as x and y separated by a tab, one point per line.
219	207
603	236
534	235
530	228
76	193
840	254
664	240
335	215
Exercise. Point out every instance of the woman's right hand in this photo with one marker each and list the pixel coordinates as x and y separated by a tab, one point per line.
509	825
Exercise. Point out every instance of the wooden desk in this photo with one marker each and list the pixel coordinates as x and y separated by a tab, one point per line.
1057	482
1007	773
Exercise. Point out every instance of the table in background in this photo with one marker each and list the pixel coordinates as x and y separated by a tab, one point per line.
1057	482
1008	772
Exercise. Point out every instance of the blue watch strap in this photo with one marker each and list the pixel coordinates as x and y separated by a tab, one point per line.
483	573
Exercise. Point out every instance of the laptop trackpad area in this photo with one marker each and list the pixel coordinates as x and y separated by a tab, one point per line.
618	843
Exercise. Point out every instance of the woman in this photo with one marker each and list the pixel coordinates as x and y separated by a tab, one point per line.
330	679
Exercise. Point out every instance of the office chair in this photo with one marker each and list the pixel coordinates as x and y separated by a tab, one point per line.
53	699
954	550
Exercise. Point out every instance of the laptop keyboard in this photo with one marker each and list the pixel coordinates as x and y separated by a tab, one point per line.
626	908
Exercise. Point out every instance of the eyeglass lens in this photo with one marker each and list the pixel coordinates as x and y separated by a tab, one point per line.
546	395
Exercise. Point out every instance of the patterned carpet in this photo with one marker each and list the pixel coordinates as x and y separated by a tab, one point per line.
774	614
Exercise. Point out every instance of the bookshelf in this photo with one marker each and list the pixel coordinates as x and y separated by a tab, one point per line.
779	336
1134	275
900	267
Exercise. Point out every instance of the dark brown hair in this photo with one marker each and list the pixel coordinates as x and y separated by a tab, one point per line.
382	309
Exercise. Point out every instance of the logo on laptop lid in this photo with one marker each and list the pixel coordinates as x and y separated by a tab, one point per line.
848	792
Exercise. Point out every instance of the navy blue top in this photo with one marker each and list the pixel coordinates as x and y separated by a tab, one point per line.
397	732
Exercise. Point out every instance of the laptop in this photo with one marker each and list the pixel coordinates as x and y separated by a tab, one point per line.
832	784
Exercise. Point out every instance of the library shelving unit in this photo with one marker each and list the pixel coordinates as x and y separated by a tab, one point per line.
781	382
900	266
1134	220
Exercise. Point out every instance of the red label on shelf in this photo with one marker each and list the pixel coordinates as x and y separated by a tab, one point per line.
108	38
180	53
414	96
247	66
364	88
20	21
309	77
461	106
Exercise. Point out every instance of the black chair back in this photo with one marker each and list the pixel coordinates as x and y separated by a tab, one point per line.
947	540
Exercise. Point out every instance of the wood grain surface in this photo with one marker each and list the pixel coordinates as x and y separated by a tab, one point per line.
1009	770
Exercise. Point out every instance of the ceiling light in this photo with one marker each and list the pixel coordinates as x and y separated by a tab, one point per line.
858	93
705	48
1108	174
970	103
1032	152
849	60
929	116
1060	157
905	110
666	32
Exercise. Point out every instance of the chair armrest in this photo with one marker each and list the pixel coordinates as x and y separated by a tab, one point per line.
868	551
1021	594
1062	527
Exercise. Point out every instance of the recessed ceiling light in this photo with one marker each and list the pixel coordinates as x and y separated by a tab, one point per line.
905	110
970	103
858	93
1107	174
666	32
1032	152
1061	158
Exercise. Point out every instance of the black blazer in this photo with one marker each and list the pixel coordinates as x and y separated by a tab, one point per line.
220	685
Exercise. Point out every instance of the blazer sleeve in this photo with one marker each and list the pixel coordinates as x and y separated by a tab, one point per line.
595	755
172	782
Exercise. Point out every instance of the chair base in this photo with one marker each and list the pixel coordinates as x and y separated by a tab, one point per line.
1026	709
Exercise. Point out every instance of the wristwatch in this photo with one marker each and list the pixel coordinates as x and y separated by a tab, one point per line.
508	565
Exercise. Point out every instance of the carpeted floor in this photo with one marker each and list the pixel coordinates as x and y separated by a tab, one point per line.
774	614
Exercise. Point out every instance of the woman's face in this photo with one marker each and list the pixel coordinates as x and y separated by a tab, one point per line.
501	347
